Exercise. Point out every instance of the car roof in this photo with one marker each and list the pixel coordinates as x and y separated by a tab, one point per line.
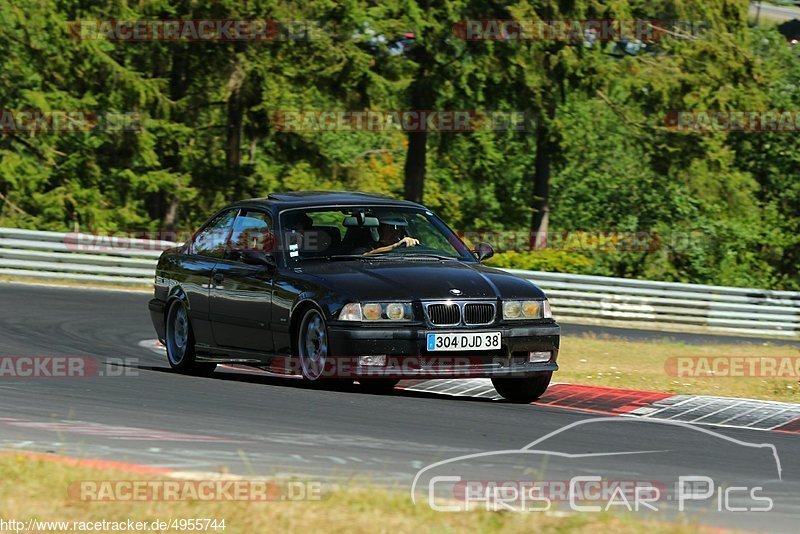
297	199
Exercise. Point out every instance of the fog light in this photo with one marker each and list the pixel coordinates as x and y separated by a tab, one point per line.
539	357
374	360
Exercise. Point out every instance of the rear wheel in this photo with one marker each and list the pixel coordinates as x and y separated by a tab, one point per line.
522	389
378	386
180	343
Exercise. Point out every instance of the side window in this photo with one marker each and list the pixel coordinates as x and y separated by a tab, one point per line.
210	241
251	231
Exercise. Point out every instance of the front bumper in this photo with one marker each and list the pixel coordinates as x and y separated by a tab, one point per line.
157	310
405	348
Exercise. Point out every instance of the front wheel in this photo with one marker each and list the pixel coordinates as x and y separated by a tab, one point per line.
522	389
180	343
312	346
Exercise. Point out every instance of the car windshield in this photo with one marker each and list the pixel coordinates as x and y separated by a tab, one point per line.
368	232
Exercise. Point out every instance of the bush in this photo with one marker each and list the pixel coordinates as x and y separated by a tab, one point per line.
559	261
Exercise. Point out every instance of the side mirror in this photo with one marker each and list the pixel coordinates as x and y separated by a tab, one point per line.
484	251
257	257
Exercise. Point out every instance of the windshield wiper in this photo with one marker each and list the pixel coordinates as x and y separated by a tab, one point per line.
427	255
381	256
332	257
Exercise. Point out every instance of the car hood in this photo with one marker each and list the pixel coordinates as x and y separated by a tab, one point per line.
424	280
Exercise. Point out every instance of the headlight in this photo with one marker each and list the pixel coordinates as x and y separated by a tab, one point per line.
526	309
377	311
531	309
512	309
372	312
395	311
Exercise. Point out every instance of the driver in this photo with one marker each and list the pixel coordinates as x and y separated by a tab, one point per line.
392	235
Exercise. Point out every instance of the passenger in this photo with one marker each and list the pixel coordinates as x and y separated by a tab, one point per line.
298	221
296	225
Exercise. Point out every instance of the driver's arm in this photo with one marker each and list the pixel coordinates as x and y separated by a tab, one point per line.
406	241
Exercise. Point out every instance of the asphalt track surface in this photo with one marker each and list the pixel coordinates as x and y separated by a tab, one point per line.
255	425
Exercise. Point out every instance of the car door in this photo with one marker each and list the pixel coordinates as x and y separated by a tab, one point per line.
196	267
241	294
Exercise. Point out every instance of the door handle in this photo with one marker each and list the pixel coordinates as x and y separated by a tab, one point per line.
218	278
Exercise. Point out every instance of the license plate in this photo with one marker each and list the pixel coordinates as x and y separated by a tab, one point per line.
465	341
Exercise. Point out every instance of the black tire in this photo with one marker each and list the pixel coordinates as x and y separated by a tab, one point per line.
522	389
312	347
180	343
378	386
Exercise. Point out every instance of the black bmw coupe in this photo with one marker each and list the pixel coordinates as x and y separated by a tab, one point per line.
339	286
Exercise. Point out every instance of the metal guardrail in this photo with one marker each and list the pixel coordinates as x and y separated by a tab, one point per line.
55	255
713	308
74	256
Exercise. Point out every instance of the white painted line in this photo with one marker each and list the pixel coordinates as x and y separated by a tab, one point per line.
458	389
736	416
479	386
427	386
690	410
728	407
769	417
